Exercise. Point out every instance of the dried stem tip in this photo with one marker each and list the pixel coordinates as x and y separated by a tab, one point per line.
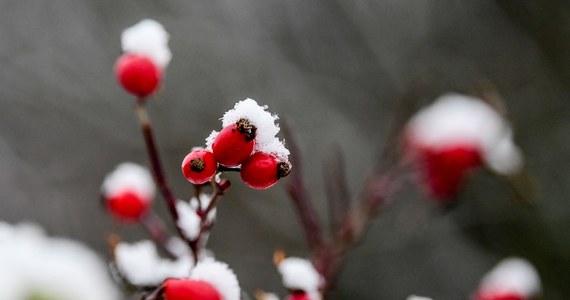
283	169
246	128
197	165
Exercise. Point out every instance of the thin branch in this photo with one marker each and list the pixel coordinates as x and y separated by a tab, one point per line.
300	196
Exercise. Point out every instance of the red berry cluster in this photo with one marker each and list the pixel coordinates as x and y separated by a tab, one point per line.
234	147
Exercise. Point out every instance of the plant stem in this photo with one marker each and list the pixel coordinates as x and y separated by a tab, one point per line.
157	170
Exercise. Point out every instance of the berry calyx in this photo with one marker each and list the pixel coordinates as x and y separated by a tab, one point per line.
199	166
262	170
188	289
234	144
138	74
446	168
127	206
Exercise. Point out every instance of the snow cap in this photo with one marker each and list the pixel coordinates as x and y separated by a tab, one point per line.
299	274
149	38
512	275
129	177
265	122
141	265
220	276
460	119
55	268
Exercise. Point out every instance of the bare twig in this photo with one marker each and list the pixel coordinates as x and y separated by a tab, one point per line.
300	196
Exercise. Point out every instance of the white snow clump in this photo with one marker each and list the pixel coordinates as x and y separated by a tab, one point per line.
129	177
34	265
513	275
149	38
300	274
141	264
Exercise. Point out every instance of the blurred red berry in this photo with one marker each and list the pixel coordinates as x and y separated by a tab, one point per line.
138	74
298	296
446	168
262	170
234	144
188	289
499	296
199	166
128	206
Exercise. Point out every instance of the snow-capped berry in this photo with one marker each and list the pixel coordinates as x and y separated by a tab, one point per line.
220	276
300	275
188	289
138	74
512	279
147	38
127	206
234	144
262	170
446	168
128	192
199	166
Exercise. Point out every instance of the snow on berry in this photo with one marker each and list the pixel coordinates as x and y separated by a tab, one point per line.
188	289
265	125
300	275
199	166
220	276
188	220
147	38
261	170
128	191
455	119
512	279
146	55
141	265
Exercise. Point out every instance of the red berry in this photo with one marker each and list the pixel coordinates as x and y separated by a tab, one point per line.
486	295
127	206
138	74
234	143
188	289
446	168
298	296
262	170
199	166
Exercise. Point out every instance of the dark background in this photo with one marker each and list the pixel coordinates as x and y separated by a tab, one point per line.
335	70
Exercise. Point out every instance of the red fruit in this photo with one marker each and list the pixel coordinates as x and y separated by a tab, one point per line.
127	206
188	289
199	166
446	168
138	74
298	296
262	170
498	296
234	143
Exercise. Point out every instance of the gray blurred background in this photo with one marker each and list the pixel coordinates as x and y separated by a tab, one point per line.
335	70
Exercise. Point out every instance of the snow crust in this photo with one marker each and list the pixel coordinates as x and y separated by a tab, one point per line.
188	220
149	38
132	177
299	274
513	275
141	264
56	268
455	118
414	297
220	276
266	123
